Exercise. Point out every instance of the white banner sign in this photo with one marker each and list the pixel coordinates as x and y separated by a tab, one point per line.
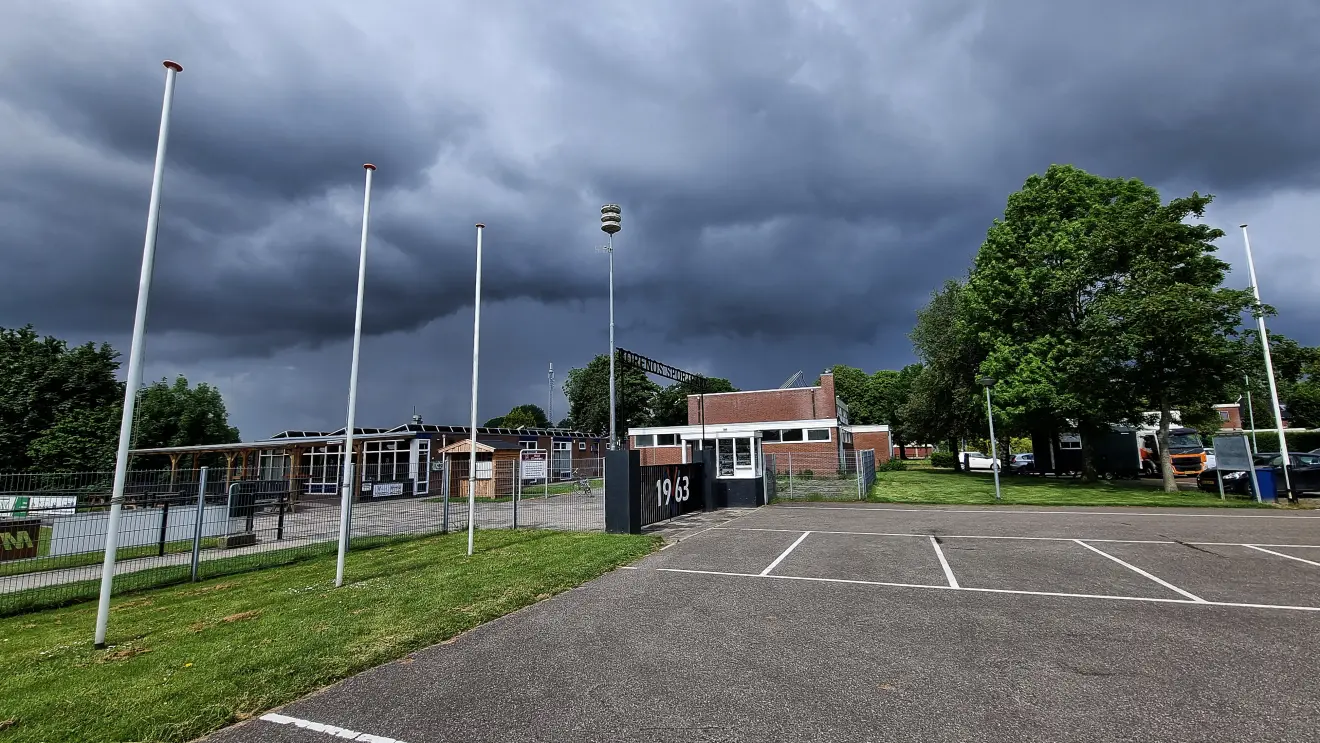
386	489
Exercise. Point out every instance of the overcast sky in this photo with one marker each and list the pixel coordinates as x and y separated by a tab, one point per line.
795	176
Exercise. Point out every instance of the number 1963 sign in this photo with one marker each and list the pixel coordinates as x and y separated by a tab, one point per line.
670	490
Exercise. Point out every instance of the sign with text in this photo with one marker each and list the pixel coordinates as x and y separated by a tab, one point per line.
534	464
386	489
1232	453
670	490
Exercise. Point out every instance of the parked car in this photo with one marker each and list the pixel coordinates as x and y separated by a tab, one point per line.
975	460
1303	470
1022	464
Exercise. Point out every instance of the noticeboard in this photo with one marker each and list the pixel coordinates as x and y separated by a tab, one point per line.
1232	453
534	464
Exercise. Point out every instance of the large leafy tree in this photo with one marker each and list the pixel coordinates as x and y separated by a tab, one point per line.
176	414
1296	374
43	381
944	403
854	387
588	392
521	416
889	393
1166	328
670	406
1032	300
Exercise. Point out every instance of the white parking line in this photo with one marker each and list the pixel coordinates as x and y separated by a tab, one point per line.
1025	539
1009	591
784	554
995	510
319	727
1280	554
1141	572
948	571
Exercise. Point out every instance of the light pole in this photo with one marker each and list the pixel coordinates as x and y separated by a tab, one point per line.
346	487
1269	369
1251	413
134	380
611	221
989	382
550	399
472	441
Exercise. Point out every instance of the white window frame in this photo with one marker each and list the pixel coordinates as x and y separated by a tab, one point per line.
582	446
529	445
829	435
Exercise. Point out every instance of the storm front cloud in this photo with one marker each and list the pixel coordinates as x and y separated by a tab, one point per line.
796	177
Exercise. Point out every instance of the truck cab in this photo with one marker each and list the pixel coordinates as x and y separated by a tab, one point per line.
1185	450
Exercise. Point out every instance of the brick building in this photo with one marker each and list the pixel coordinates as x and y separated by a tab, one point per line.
743	427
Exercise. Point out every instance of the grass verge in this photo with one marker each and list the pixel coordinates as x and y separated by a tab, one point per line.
44	562
189	659
977	488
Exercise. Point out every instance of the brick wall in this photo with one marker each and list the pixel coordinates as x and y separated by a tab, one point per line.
1234	419
661	455
806	403
878	440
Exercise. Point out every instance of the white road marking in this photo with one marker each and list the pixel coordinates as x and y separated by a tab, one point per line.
948	571
1144	599
1143	573
318	727
1052	513
784	554
1280	554
1026	539
628	567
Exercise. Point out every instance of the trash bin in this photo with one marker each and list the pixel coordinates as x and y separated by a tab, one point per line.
1265	476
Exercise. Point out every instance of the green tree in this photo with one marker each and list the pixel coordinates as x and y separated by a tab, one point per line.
44	381
81	441
526	416
1165	328
944	404
889	393
1032	300
670	406
1296	375
179	415
588	392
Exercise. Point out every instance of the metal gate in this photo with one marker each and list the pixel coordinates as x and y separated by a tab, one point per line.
669	490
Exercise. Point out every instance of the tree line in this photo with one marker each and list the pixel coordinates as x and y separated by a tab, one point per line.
1093	302
61	407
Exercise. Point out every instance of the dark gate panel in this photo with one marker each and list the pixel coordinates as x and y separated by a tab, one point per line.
669	490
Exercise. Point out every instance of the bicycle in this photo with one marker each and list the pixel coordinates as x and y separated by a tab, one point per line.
581	485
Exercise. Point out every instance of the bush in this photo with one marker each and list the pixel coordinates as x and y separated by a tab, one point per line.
943	459
806	474
893	465
1297	440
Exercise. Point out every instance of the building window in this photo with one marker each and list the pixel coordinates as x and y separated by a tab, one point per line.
770	437
645	440
818	434
789	434
385	461
274	465
1223	416
324	468
666	439
725	457
582	446
529	444
1070	444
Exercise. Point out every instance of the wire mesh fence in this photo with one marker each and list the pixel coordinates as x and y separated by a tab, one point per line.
187	525
818	476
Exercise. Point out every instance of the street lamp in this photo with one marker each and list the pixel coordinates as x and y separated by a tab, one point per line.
1269	369
989	382
611	221
134	359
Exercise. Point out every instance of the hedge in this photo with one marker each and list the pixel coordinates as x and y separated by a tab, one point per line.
1297	440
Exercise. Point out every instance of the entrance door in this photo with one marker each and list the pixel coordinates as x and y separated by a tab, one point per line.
737	457
561	462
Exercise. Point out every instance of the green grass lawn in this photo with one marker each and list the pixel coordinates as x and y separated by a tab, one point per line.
978	488
529	491
189	659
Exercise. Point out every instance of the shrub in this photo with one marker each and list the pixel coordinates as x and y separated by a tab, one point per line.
943	459
1297	440
806	474
893	465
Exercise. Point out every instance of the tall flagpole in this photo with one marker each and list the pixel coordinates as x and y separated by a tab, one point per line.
472	443
134	380
346	492
1269	368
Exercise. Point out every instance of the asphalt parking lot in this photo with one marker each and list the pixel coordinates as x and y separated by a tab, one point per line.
871	623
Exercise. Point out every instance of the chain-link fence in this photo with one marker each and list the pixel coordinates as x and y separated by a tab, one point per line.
183	525
817	476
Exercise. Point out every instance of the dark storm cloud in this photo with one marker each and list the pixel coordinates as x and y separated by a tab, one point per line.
796	177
